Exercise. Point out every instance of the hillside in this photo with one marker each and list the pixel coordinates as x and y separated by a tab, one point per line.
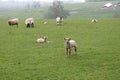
92	10
78	10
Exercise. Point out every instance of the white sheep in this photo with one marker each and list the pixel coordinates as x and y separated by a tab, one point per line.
94	21
42	40
59	20
70	44
45	22
14	21
29	22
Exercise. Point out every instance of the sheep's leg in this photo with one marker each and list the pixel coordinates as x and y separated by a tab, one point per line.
75	49
69	53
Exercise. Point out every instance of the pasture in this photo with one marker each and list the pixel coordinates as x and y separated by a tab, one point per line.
21	58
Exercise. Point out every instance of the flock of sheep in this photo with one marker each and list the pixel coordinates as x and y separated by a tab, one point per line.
29	22
69	43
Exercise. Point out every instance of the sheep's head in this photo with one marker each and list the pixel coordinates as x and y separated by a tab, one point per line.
9	22
45	38
67	39
94	20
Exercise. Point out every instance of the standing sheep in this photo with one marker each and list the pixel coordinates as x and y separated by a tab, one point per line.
14	21
59	20
70	44
29	22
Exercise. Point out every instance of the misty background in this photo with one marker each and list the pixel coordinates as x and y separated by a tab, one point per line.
68	8
32	3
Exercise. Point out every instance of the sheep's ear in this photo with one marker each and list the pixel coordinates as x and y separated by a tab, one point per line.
45	36
69	38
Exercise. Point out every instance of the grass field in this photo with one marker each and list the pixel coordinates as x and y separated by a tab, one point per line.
21	58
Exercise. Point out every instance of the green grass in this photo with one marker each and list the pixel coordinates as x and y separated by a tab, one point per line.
21	58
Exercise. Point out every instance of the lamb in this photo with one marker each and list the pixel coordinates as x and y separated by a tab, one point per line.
59	20
94	21
45	22
29	22
14	21
42	40
70	44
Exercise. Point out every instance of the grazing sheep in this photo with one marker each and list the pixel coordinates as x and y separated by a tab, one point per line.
94	21
12	22
70	44
42	40
29	22
59	20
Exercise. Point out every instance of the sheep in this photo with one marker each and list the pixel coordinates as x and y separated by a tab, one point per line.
29	22
42	40
70	44
45	22
94	21
59	20
14	21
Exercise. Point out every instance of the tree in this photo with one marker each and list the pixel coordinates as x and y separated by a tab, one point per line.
36	4
56	10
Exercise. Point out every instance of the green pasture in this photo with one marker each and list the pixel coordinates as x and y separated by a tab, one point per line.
98	46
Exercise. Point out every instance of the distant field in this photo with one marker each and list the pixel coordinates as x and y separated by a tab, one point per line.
21	58
93	10
78	10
